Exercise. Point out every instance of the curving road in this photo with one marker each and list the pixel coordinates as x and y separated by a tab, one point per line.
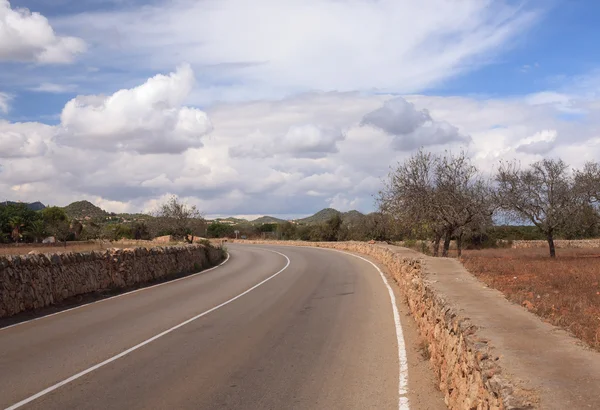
271	328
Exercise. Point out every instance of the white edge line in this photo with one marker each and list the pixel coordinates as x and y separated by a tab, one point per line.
403	362
131	349
116	296
402	358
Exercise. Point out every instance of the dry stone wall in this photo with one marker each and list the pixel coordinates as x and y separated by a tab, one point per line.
37	280
469	374
559	243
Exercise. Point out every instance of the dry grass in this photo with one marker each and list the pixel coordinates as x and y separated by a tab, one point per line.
564	291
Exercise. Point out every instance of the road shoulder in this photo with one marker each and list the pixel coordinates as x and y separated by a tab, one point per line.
423	391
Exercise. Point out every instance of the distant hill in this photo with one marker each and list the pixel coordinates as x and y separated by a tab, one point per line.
231	220
236	220
34	206
83	209
326	214
268	220
134	217
352	216
322	216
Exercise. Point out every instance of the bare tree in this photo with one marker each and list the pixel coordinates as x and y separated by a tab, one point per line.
463	197
587	182
76	228
544	194
438	196
185	220
408	192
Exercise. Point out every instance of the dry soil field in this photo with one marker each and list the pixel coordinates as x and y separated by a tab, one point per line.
564	291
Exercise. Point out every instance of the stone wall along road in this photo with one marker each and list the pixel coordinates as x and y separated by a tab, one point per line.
38	280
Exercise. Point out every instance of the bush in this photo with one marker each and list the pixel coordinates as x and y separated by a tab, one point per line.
205	242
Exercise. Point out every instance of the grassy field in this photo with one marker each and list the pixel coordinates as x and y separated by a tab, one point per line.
564	291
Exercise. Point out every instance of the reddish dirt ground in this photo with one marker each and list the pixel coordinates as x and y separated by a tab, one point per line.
564	291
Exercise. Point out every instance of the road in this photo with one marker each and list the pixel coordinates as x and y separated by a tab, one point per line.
271	328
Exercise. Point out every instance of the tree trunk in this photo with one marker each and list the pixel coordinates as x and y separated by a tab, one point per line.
447	239
459	244
436	245
550	239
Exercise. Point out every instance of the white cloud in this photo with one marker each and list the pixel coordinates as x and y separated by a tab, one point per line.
284	183
149	118
300	141
548	97
342	203
310	140
540	143
54	88
27	36
412	128
561	101
4	102
23	139
268	48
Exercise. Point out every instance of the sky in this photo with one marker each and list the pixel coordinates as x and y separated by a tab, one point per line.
283	108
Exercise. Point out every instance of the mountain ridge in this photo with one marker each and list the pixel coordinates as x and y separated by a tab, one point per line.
34	206
84	209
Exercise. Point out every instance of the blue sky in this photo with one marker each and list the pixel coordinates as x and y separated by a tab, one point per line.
558	47
252	109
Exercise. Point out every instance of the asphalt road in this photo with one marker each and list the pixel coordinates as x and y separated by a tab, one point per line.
272	328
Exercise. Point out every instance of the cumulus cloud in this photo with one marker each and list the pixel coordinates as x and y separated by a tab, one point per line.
392	45
397	117
149	118
540	143
346	176
4	105
300	141
342	203
23	140
412	128
310	140
27	36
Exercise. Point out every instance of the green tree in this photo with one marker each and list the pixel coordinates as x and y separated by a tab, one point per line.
267	228
57	223
36	231
9	211
76	229
286	230
60	230
140	231
115	232
17	223
53	214
91	231
333	227
219	230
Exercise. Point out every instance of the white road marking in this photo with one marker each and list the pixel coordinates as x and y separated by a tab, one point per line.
402	358
131	349
403	361
116	296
